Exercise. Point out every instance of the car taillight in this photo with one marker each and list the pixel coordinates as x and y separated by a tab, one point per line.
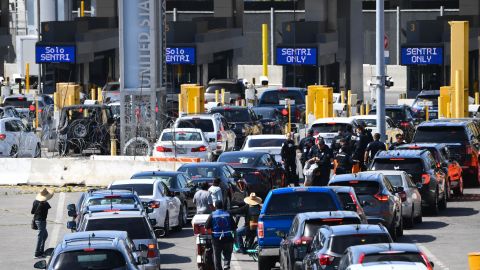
259	174
199	149
425	179
324	259
219	137
151	253
163	149
304	240
88	249
260	230
354	200
426	261
112	196
361	258
381	197
403	196
31	108
404	124
3	137
469	150
154	204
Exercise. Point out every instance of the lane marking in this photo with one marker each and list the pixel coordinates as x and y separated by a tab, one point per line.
58	221
436	261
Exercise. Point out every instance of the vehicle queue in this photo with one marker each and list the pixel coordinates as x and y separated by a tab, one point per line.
356	190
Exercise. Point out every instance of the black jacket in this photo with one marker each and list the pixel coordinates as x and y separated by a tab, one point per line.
325	155
374	147
40	210
305	145
288	151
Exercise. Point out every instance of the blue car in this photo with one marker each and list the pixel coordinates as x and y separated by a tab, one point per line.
280	207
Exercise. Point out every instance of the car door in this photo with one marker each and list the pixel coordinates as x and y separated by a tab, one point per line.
12	135
173	204
414	194
28	139
238	194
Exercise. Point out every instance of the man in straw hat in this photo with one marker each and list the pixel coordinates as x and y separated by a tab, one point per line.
251	211
40	211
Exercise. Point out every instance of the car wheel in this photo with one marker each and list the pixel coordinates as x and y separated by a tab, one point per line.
458	191
419	218
14	151
434	207
166	225
265	263
410	220
448	190
443	203
38	151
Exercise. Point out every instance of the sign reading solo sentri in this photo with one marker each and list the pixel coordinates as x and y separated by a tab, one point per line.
54	54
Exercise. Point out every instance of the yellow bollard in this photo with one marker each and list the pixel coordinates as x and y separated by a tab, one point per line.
56	99
180	104
362	109
349	103
27	78
289	118
265	49
223	96
474	260
477	98
113	147
427	114
82	8
458	94
99	95
307	109
93	93
342	96
217	93
367	108
449	111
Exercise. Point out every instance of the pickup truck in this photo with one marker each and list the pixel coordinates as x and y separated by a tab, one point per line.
280	207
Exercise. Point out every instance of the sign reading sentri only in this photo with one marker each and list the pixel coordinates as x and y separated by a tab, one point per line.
296	56
54	54
422	55
180	55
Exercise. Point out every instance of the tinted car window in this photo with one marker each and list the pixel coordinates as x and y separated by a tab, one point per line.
396	180
393	256
330	127
341	242
232	88
206	125
395	114
199	172
426	100
265	142
441	134
137	228
273	97
110	201
19	102
238	159
235	115
361	187
266	114
96	259
181	136
297	202
312	226
10	127
168	180
411	165
141	189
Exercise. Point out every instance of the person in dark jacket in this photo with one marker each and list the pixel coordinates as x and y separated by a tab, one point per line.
343	161
223	229
363	139
289	159
399	141
373	148
305	145
40	212
323	156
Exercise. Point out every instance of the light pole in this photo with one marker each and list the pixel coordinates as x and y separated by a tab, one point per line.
380	69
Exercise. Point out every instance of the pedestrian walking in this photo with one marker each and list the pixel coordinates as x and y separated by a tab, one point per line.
305	145
289	159
202	200
321	154
215	192
398	141
40	212
343	161
373	148
223	227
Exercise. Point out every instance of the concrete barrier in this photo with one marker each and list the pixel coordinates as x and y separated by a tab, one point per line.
93	171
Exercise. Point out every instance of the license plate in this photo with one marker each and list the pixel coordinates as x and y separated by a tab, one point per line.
181	150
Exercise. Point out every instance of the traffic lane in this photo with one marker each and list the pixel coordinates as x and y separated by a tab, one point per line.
449	237
18	239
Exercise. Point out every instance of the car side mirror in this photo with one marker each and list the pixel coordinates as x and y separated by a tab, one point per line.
153	221
71	207
142	261
211	140
142	247
72	213
72	225
40	265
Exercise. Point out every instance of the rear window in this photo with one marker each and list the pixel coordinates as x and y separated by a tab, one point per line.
330	127
96	259
274	97
396	180
181	136
312	226
347	201
111	201
229	87
394	114
206	125
341	242
361	187
17	102
441	134
265	143
427	100
141	189
266	114
235	115
237	159
297	202
394	256
200	172
136	227
411	166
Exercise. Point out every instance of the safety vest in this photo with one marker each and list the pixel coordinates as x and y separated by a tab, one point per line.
222	226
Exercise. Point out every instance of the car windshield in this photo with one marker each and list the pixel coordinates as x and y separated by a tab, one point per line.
234	115
394	114
297	202
238	159
396	180
412	166
266	114
330	127
200	172
361	187
112	87
206	125
111	201
341	242
399	256
275	97
141	189
430	101
181	136
136	227
252	143
441	134
19	102
95	259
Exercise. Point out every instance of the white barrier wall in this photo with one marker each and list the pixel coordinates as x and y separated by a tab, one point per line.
96	171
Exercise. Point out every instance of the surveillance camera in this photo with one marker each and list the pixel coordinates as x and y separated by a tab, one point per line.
264	80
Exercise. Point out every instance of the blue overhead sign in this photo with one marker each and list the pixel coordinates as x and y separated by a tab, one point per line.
54	54
296	56
180	55
422	55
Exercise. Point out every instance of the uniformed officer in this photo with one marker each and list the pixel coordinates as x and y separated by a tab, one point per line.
344	161
305	145
335	146
361	145
289	159
323	156
373	148
399	141
223	227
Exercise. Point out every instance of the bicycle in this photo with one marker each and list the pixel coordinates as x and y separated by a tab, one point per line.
251	245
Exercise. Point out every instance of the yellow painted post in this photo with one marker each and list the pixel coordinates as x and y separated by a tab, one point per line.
217	93
99	95
349	103
367	108
55	101
82	8
325	107
36	111
113	147
458	94
93	93
180	104
196	106
289	118
474	260
477	98
427	114
265	49
342	96
449	110
223	96
27	78
362	109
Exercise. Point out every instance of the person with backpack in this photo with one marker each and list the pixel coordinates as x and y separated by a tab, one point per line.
223	228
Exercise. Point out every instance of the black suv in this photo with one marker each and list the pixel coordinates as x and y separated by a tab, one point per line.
85	128
403	118
242	120
330	243
426	98
304	227
462	139
424	171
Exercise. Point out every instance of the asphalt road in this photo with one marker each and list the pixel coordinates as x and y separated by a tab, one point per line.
446	239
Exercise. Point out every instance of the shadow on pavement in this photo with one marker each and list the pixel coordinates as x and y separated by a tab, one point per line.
173	259
185	233
429	225
459	212
162	245
418	238
466	198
